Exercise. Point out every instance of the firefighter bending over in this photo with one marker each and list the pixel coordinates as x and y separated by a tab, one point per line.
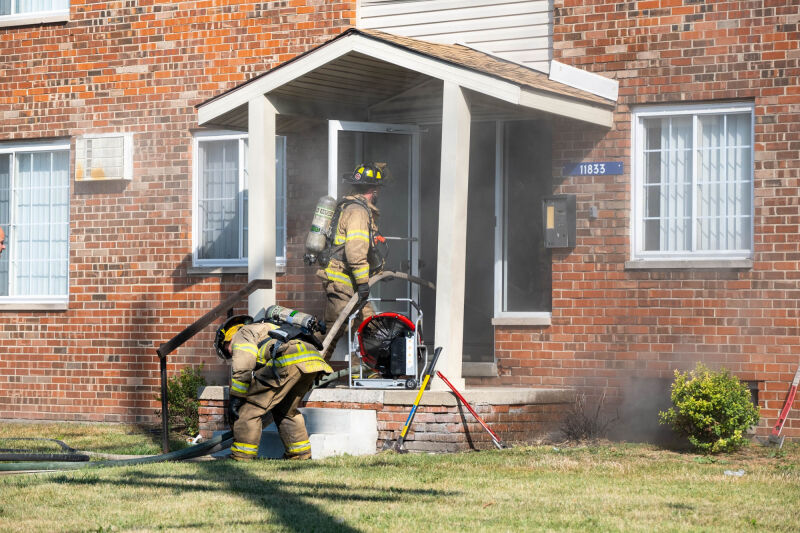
273	367
353	256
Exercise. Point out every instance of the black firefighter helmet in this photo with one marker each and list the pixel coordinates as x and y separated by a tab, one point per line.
226	331
369	174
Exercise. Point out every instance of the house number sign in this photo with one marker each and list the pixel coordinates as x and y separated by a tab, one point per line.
599	168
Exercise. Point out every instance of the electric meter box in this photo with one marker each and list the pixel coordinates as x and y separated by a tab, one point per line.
559	221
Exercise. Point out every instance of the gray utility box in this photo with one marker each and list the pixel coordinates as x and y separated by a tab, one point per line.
559	221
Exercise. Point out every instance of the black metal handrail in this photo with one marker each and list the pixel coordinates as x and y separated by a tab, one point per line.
198	325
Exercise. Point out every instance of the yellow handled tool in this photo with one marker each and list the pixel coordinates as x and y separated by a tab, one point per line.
397	445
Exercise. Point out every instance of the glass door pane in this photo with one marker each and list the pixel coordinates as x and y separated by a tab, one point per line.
395	203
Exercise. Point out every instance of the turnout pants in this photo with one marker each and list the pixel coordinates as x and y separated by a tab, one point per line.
282	400
339	295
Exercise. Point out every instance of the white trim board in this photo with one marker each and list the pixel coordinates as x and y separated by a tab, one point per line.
584	80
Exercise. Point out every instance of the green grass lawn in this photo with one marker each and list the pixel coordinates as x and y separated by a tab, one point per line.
607	487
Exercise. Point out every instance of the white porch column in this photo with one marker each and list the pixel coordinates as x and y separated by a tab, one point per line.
450	270
261	201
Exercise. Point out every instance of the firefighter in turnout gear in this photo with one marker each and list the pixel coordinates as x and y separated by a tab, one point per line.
354	255
271	372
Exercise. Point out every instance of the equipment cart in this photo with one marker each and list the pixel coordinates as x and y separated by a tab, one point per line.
387	349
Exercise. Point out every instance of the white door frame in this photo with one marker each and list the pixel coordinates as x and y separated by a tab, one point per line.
335	126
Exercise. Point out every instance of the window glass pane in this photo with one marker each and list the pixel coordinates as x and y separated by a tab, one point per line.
5	217
280	197
222	228
711	202
40	224
528	268
246	199
724	196
653	132
59	230
218	200
5	7
34	6
667	194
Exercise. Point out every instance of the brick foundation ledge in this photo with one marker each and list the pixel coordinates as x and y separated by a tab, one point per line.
213	403
517	415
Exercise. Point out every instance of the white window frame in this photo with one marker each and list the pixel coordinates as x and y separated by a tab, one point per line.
224	135
691	258
34	303
501	317
34	17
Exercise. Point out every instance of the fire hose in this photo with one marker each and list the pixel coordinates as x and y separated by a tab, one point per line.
220	442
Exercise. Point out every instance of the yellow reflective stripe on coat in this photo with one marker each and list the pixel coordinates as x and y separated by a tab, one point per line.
240	387
361	273
297	447
246	347
334	275
301	356
243	447
339	239
357	234
263	353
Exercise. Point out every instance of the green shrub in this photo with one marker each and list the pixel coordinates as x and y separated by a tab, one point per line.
713	409
182	399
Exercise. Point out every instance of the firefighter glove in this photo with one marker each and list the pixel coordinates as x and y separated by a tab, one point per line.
363	291
234	404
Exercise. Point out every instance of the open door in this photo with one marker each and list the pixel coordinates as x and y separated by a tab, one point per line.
352	143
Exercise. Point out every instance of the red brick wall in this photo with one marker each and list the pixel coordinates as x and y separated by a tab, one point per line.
137	67
610	325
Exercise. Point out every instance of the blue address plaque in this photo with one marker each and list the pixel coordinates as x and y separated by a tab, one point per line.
593	168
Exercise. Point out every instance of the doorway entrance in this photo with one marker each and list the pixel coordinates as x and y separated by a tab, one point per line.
397	145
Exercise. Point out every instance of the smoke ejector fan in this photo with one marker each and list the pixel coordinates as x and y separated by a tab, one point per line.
387	344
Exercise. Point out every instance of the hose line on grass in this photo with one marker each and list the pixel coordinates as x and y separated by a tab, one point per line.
215	444
14	454
220	442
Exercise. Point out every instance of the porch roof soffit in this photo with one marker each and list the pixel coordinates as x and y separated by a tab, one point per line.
358	69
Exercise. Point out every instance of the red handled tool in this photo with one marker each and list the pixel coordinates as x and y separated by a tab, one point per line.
497	442
775	437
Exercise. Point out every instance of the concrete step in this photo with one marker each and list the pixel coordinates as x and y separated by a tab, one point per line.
331	432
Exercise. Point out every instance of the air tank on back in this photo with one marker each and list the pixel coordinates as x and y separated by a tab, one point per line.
277	313
317	238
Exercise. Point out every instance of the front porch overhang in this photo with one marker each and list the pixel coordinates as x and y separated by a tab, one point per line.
378	77
358	73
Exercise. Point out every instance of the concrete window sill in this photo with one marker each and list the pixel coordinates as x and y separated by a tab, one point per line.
219	271
28	19
54	304
689	264
544	319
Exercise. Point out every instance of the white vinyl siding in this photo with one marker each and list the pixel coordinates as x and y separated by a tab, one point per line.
34	213
221	200
516	30
694	173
